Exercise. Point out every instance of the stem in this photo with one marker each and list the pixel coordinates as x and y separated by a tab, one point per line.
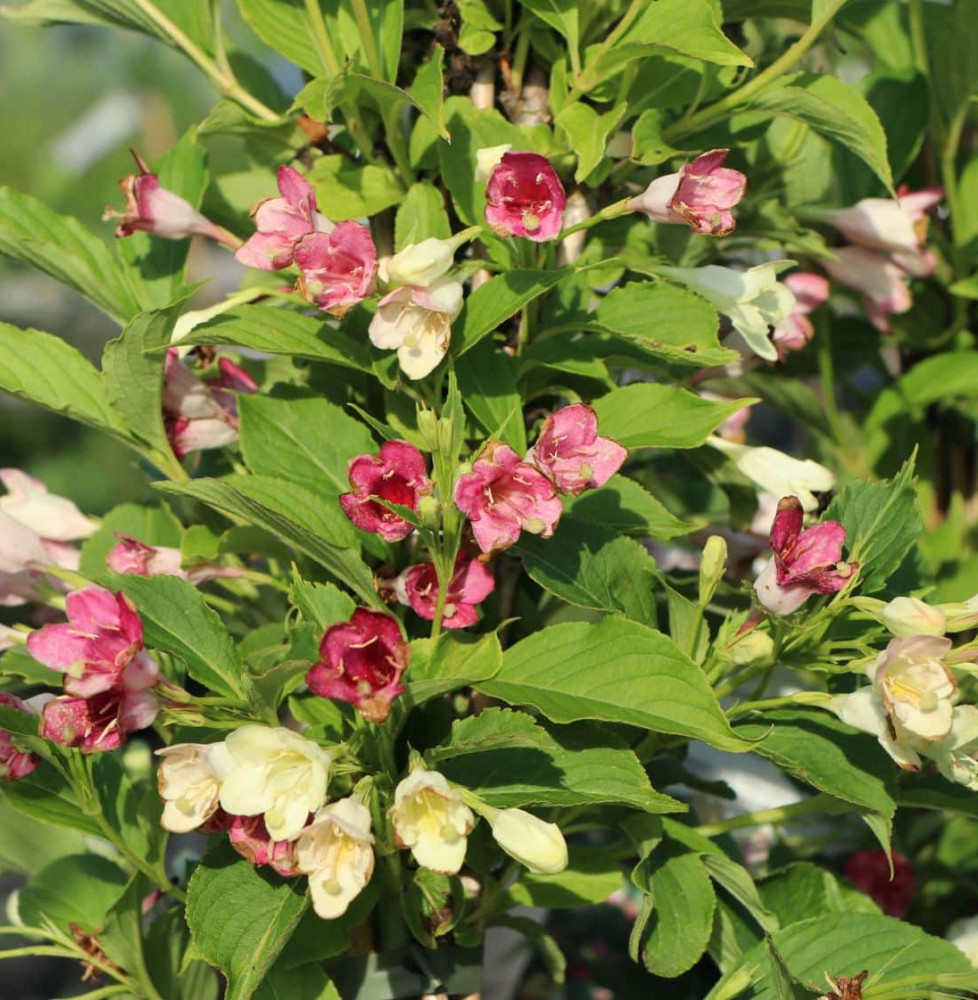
799	698
718	111
612	211
367	38
820	803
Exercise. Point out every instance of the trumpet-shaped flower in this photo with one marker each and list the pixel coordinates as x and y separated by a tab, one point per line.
397	475
431	819
471	583
881	283
570	453
909	616
249	836
129	555
524	197
361	661
336	852
189	780
50	517
895	225
15	763
275	773
338	267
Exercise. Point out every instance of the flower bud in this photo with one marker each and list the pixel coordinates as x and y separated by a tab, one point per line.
534	843
907	616
712	566
752	647
421	263
961	616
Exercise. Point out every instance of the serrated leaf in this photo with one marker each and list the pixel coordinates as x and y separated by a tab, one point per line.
427	90
450	662
348	190
421	216
321	604
623	505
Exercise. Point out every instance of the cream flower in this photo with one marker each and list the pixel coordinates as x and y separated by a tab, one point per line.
534	843
486	159
421	263
189	780
431	819
276	773
909	616
964	935
916	686
864	710
956	755
336	852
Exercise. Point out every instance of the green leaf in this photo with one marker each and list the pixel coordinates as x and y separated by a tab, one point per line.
490	305
241	918
427	90
166	945
45	796
62	247
613	671
132	374
295	515
28	845
653	415
786	987
347	190
307	441
43	369
590	877
587	133
882	524
77	889
305	982
843	944
509	760
176	619
836	110
487	380
285	26
281	331
421	216
803	890
589	566
320	603
738	882
450	662
561	15
623	506
953	66
649	146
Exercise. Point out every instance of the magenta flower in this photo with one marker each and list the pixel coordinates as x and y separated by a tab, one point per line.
281	222
524	197
796	330
361	662
130	555
701	195
14	762
152	209
202	413
337	267
881	283
570	453
250	838
100	723
396	475
805	562
471	583
503	495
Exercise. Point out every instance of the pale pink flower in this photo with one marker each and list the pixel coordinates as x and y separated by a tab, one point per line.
14	762
524	197
700	195
396	475
471	583
152	209
796	330
881	283
361	662
281	222
130	555
337	267
250	838
50	517
805	562
894	225
570	453
503	496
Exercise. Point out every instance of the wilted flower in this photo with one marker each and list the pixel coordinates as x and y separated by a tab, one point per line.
779	474
471	583
570	453
281	222
361	662
881	283
417	323
503	496
869	871
537	845
249	836
336	852
202	413
700	195
14	762
524	197
155	210
796	330
804	563
431	819
129	555
189	779
100	723
337	267
753	300
275	773
397	475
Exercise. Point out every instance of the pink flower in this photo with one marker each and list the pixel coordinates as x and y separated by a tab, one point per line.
869	871
471	583
503	495
14	763
250	838
152	209
281	222
701	194
337	267
882	284
396	475
804	563
524	197
897	226
100	723
796	330
570	453
132	556
361	662
202	413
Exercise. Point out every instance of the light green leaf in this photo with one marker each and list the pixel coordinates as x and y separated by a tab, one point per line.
953	66
421	216
285	26
76	889
622	505
587	133
802	890
320	603
450	662
614	671
590	877
347	190
487	380
427	90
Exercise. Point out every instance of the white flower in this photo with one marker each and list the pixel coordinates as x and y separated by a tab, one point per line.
753	300
964	934
779	474
420	264
431	819
336	852
486	159
916	686
52	517
276	773
534	843
190	784
417	323
908	616
864	710
956	755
